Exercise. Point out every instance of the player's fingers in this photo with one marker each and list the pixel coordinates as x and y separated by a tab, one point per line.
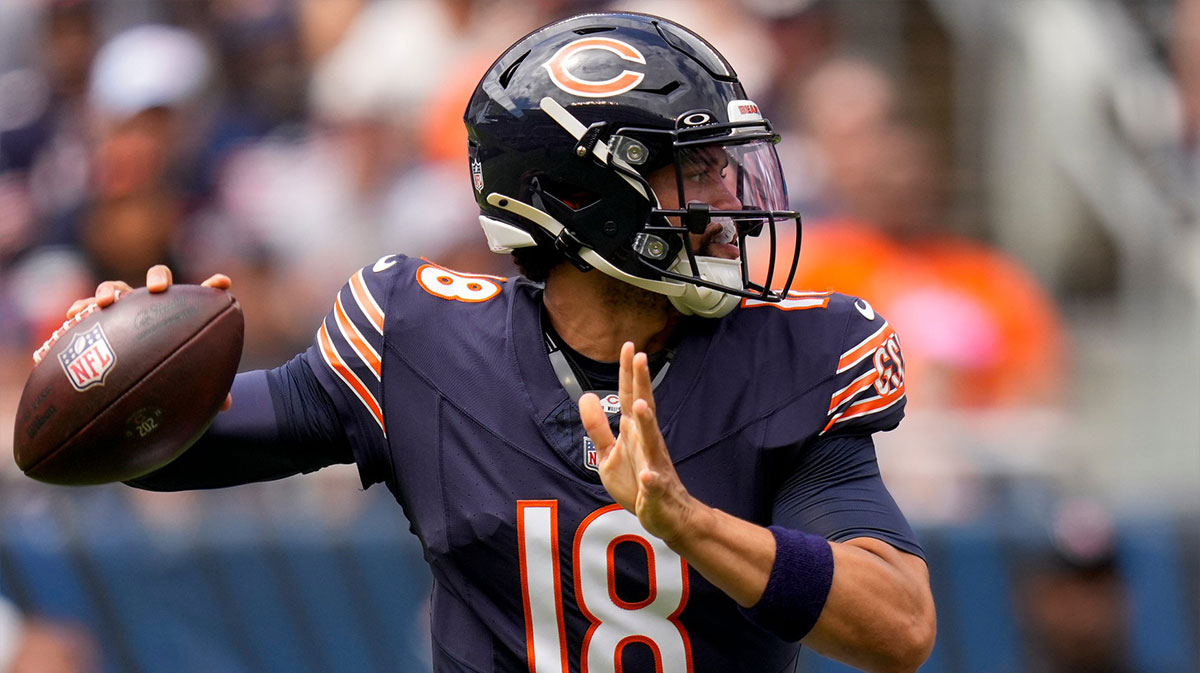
631	439
625	377
109	291
595	423
228	403
643	387
219	281
652	446
642	452
159	278
78	306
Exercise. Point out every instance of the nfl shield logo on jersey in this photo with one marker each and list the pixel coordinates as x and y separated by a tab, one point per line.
88	359
590	459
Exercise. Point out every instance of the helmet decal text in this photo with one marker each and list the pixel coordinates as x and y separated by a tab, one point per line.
577	86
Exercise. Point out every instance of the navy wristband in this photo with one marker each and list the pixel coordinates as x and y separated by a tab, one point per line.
798	587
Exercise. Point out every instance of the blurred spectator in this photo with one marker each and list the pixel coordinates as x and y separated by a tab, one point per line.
43	131
1072	598
1185	54
32	293
802	34
54	647
738	34
142	85
263	76
39	645
358	181
10	631
977	329
983	342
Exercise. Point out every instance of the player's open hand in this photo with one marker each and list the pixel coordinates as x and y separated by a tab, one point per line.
634	466
158	279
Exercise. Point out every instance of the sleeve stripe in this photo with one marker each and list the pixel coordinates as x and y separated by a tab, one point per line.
865	407
348	377
856	386
864	348
356	339
365	301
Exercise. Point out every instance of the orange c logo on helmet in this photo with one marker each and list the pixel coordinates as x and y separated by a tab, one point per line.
587	88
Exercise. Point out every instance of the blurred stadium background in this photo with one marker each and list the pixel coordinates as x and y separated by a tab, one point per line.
1015	184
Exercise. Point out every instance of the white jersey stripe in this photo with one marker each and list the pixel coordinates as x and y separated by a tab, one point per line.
366	301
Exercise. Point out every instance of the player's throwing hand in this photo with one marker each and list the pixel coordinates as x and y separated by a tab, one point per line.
158	279
635	466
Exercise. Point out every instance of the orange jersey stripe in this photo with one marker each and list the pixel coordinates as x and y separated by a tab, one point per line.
366	302
356	339
865	348
339	367
856	386
868	406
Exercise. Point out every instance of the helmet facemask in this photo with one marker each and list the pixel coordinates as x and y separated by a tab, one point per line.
721	184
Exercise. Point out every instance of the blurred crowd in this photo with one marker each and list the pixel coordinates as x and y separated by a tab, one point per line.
288	142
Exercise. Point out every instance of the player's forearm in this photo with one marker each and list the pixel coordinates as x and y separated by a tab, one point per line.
734	554
880	614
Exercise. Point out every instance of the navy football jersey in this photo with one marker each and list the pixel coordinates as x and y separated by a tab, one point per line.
445	390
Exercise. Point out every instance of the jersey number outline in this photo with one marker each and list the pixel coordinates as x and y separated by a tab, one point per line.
455	286
615	623
889	367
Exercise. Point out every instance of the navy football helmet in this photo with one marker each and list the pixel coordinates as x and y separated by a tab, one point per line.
611	137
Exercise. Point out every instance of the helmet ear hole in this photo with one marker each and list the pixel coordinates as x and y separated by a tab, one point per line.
572	197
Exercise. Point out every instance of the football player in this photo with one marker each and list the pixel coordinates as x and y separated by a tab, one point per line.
634	456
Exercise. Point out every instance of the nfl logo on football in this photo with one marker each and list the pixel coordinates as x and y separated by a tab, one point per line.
590	460
88	359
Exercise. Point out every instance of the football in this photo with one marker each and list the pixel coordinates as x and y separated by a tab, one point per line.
121	391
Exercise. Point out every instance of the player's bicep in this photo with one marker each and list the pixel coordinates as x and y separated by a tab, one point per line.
837	492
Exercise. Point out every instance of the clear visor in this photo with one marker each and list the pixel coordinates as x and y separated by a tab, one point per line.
743	177
725	196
